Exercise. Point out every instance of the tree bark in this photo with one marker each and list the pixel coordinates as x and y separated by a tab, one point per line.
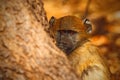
26	51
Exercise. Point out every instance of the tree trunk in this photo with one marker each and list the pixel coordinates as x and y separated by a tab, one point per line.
26	51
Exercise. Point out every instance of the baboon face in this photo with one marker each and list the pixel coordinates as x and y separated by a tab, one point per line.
67	40
68	32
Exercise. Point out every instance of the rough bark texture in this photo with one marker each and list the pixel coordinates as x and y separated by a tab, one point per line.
26	51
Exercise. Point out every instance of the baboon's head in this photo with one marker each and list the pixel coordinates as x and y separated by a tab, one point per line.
69	32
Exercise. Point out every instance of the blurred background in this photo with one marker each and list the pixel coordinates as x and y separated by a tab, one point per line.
105	17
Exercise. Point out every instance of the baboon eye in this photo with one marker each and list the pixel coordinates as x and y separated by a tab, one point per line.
71	32
67	32
88	25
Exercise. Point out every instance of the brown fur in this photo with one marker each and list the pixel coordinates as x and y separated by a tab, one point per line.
71	36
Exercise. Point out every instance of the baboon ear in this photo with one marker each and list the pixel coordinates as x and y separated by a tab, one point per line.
88	26
51	21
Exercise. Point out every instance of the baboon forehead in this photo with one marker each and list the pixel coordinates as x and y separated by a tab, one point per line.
70	23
